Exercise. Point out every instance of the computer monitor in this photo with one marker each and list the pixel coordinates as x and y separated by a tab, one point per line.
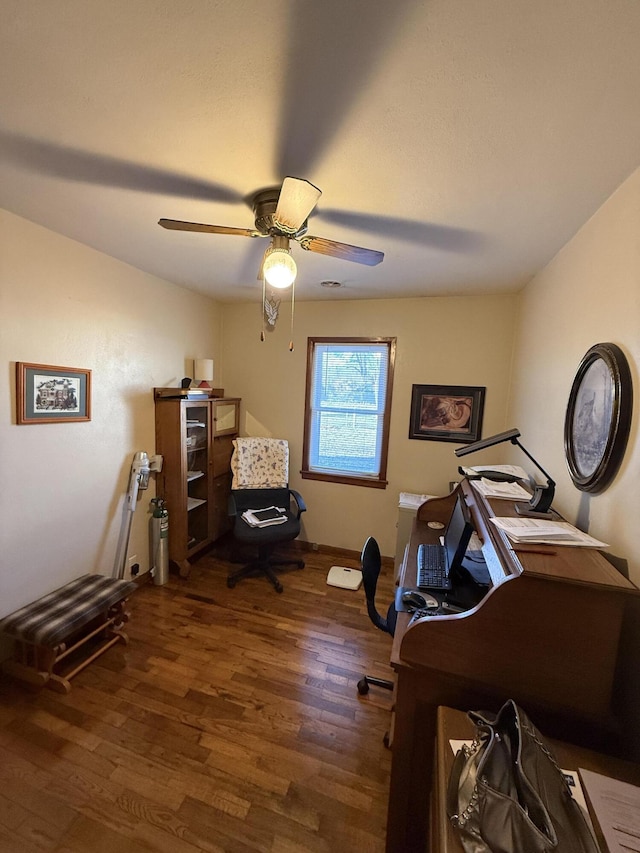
457	536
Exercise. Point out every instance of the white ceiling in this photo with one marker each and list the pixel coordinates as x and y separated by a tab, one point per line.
466	139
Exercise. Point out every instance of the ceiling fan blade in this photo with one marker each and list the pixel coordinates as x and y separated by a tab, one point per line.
370	257
179	225
296	201
74	164
446	238
361	34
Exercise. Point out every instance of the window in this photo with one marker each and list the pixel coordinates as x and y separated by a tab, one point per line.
347	410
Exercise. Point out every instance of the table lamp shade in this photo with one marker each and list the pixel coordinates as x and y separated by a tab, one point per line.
203	371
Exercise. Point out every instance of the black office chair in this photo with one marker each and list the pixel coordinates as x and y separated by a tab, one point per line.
263	461
370	563
265	539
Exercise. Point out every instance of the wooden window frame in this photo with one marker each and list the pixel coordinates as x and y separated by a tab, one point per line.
379	482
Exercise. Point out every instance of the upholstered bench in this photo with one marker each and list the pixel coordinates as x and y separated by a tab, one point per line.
58	635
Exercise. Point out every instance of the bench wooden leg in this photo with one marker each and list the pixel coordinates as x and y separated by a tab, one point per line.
62	684
28	674
41	666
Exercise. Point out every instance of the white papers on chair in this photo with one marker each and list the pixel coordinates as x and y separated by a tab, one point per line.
506	491
265	517
541	531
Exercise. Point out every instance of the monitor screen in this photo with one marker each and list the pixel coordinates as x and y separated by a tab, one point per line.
457	535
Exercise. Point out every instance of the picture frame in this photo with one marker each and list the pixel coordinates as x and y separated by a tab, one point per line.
598	417
447	413
48	394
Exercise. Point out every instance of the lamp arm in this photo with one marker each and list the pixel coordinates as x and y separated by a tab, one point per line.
550	480
540	503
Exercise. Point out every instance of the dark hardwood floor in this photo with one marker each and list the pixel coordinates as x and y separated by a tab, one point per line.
231	722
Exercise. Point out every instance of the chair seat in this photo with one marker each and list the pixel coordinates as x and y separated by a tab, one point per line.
244	499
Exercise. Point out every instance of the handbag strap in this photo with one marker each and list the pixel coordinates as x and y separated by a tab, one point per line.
453	789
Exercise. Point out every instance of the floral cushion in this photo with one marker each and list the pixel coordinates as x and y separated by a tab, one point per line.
260	463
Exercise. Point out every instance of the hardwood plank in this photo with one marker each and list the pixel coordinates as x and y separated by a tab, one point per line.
11	843
87	834
231	723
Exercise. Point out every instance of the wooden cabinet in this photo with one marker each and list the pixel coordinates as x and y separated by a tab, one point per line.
195	439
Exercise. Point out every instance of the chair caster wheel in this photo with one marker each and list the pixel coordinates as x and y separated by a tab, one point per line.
301	564
363	687
230	583
279	588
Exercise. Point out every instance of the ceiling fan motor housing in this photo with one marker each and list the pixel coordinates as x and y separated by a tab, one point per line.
264	208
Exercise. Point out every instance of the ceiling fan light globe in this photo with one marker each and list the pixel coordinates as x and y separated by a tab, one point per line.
279	269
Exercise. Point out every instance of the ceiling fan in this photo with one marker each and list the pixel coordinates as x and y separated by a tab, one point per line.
281	214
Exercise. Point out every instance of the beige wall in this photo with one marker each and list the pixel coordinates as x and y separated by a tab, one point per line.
457	341
63	485
590	293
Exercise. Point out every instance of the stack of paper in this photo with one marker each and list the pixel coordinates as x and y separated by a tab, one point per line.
503	472
507	491
615	806
538	530
265	517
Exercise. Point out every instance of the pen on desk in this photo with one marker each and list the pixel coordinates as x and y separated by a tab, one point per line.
535	551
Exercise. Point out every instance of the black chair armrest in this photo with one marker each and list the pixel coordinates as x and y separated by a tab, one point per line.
302	507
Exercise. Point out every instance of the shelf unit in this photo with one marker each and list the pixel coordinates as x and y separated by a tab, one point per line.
195	439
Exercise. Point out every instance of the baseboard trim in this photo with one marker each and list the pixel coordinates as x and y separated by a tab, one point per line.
301	545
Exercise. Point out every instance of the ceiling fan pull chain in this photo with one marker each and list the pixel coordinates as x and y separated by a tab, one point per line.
264	297
293	297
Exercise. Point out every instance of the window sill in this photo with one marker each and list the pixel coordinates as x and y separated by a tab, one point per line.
345	479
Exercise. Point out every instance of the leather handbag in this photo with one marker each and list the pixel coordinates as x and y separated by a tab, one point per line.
506	793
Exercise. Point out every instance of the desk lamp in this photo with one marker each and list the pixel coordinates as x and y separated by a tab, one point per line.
542	498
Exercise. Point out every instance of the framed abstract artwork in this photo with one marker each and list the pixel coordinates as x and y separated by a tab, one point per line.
446	413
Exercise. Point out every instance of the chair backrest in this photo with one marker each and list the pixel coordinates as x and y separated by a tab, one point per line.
370	562
260	463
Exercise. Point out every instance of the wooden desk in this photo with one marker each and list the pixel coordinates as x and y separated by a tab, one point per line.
545	634
455	725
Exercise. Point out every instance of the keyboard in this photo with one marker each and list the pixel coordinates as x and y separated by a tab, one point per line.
432	572
423	611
